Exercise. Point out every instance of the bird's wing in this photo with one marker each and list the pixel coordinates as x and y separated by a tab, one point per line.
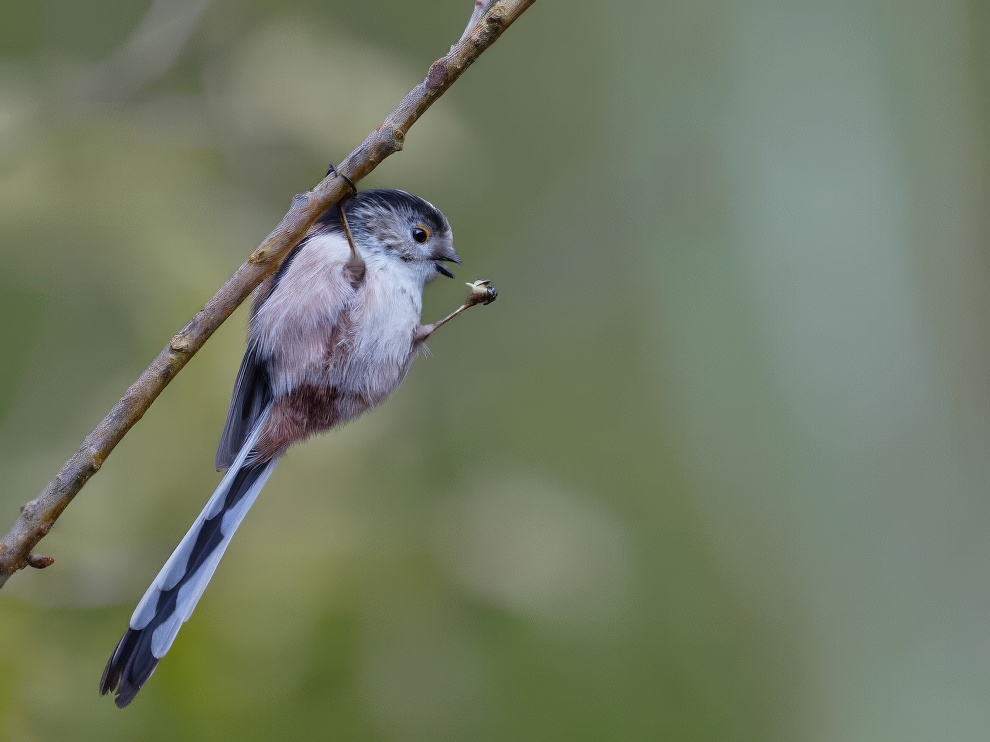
252	394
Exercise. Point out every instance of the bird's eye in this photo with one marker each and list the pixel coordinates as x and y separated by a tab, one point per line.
420	234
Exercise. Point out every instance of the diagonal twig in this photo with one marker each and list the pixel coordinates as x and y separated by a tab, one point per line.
38	516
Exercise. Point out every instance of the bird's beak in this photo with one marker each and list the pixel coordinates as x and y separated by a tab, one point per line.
446	254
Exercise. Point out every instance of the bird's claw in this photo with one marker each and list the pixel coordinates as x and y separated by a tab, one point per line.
482	291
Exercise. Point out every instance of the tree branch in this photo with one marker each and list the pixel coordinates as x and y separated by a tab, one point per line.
39	515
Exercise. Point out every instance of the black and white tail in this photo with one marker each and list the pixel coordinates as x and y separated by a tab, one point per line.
173	595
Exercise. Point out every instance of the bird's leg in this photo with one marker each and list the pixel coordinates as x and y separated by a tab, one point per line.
482	292
355	265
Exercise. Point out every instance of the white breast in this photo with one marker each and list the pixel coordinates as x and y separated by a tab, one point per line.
384	314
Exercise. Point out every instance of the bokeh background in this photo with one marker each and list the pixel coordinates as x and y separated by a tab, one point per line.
714	467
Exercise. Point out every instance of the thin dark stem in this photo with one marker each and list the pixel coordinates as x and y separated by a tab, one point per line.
38	516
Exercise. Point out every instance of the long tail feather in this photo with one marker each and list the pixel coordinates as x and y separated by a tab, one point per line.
173	595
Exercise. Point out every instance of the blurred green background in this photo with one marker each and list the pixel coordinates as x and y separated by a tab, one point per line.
713	468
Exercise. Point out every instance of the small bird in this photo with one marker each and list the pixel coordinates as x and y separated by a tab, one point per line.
331	335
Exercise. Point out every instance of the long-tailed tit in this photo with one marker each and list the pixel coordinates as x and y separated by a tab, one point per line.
332	334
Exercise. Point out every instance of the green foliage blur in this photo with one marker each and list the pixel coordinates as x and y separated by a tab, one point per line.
714	467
